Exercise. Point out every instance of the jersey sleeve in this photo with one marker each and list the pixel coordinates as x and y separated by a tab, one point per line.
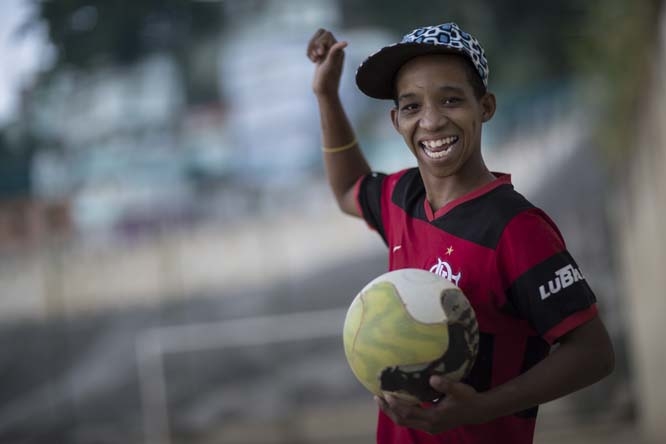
368	198
543	283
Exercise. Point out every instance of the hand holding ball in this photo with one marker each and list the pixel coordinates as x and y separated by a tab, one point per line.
405	326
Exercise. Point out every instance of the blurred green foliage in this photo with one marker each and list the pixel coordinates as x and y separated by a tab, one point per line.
531	47
620	49
92	33
86	32
526	42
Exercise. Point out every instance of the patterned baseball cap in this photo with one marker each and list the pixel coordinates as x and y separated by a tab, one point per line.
375	76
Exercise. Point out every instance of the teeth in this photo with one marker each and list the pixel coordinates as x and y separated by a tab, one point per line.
436	154
432	144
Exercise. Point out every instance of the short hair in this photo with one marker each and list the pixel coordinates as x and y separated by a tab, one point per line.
474	79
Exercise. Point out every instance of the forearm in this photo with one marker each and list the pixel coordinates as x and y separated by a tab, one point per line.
343	168
584	357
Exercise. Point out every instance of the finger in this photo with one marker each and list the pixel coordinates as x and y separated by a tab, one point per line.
411	415
441	384
319	44
386	408
335	54
400	399
337	48
315	37
452	389
405	409
381	403
324	44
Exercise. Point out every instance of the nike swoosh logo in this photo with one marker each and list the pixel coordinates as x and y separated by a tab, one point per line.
396	248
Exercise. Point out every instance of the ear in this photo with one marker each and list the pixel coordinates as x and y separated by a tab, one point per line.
488	106
394	118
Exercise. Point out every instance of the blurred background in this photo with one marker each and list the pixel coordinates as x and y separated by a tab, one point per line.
173	268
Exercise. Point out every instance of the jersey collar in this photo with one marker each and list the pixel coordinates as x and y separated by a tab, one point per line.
501	179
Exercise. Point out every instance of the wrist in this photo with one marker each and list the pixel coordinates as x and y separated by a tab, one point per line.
499	401
326	97
485	410
489	411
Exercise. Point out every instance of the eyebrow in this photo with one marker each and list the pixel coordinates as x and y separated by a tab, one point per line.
445	88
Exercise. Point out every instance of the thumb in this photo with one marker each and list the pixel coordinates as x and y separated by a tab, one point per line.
337	49
450	387
444	385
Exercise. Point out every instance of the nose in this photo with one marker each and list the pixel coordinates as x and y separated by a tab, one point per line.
431	118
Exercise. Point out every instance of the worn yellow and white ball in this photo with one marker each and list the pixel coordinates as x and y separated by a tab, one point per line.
405	326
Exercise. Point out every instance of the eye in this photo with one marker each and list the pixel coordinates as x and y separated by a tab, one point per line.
409	107
452	100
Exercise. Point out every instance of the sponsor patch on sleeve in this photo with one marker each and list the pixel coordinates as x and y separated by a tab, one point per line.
550	292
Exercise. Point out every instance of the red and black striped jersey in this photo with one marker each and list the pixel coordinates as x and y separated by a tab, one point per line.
509	259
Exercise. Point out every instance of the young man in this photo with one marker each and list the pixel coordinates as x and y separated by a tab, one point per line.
455	217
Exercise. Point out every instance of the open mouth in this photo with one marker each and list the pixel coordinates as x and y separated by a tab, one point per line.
438	148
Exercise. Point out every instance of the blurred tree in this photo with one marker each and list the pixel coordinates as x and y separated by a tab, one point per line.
90	33
526	42
14	169
618	51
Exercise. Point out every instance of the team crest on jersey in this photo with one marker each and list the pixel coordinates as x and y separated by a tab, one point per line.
443	268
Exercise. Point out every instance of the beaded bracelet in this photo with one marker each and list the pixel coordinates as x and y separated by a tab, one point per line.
337	149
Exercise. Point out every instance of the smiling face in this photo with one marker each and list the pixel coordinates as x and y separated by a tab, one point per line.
440	117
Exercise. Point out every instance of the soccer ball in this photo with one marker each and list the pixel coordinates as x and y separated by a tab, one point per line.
405	326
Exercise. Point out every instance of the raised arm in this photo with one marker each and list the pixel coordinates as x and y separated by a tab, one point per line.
343	159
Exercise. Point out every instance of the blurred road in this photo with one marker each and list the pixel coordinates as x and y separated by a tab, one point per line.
75	380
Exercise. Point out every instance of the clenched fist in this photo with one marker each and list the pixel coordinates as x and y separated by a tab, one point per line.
328	55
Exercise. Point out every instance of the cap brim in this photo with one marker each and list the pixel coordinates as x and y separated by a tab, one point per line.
375	76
